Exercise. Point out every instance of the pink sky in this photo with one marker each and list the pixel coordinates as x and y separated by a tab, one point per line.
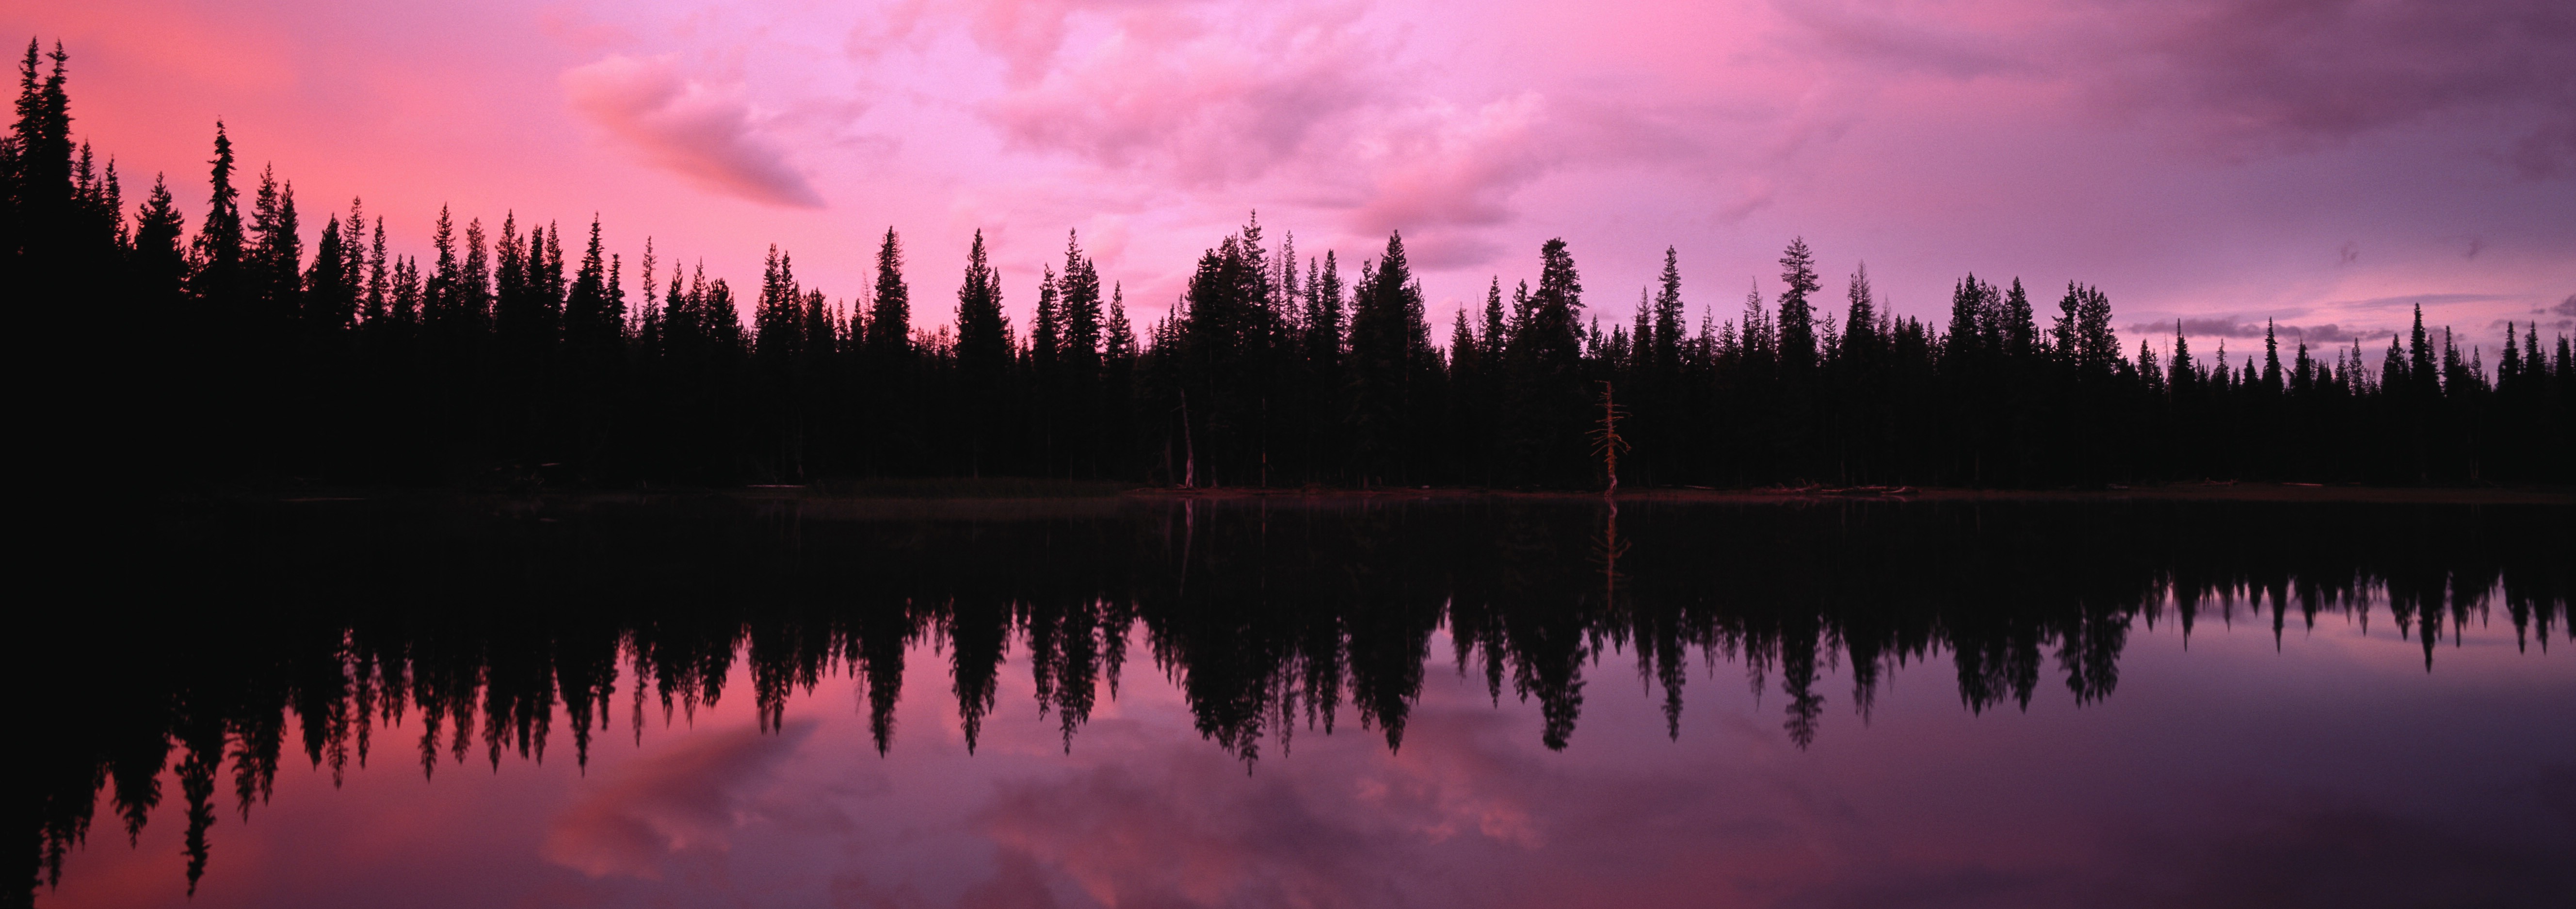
2326	164
2177	790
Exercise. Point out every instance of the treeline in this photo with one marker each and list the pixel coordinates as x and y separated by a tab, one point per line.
514	632
231	350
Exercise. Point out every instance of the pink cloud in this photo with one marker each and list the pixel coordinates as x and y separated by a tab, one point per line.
1185	832
1458	166
2193	158
682	799
1212	103
683	126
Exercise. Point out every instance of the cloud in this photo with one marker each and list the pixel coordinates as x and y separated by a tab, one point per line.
2289	72
684	798
1295	102
1167	92
1872	34
2248	77
1185	836
683	126
1447	165
2332	851
2411	300
1163	825
2236	327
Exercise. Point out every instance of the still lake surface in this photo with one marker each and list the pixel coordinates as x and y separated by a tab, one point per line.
699	701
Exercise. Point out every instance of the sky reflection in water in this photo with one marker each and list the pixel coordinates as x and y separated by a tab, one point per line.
2331	768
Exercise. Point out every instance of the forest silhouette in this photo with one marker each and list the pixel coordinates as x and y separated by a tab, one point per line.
165	356
434	632
229	351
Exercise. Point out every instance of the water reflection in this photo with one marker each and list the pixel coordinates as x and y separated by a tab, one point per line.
476	628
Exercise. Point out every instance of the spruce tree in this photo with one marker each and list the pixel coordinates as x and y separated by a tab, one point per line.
2020	324
890	321
1078	294
1668	315
1797	315
216	276
1545	373
1392	368
276	257
594	311
1046	329
983	358
39	186
330	302
159	265
1860	320
2271	375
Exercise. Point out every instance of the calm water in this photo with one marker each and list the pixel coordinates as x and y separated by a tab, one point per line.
698	702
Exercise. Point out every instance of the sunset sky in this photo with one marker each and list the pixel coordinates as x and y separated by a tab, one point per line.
2326	164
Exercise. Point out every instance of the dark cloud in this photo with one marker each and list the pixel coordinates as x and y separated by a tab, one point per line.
2412	300
2259	76
2235	327
2310	850
2292	71
682	127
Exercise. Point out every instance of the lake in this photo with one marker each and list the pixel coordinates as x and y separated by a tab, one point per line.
1332	701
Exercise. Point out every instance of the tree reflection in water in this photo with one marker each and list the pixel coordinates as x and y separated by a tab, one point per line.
480	626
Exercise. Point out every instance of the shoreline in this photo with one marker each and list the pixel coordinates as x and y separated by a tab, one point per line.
2191	492
979	495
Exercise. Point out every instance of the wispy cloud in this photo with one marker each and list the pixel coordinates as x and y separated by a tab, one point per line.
687	127
2238	327
684	798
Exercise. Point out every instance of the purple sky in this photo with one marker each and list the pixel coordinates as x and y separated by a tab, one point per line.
2326	164
2179	789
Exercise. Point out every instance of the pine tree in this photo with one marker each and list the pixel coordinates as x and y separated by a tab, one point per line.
1667	342
1797	316
439	294
39	181
1078	294
890	321
1963	345
2271	359
1544	372
474	285
1393	369
330	302
1860	321
160	266
1327	385
983	357
778	319
276	260
2020	324
1046	330
217	266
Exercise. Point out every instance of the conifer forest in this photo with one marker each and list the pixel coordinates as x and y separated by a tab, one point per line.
248	344
1482	541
